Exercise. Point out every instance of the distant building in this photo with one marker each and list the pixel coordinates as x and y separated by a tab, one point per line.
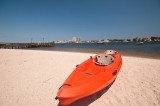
106	41
78	40
146	39
131	40
74	39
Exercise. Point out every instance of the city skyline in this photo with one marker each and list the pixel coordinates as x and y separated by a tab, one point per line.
26	21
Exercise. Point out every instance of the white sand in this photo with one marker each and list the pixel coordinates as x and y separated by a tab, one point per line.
32	78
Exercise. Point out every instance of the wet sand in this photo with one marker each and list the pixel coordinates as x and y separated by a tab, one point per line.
31	78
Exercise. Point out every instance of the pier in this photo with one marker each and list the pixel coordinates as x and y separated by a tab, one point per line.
26	45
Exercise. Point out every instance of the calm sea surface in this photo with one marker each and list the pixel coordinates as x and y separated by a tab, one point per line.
147	49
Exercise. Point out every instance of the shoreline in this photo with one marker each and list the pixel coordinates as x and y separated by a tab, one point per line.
128	53
147	50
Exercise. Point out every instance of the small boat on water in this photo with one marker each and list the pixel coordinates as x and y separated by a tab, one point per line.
140	43
100	42
89	77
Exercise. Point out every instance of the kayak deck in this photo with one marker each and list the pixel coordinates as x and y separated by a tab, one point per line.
88	78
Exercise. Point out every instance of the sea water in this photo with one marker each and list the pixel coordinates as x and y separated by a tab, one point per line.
147	49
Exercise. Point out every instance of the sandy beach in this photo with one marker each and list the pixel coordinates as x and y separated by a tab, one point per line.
32	78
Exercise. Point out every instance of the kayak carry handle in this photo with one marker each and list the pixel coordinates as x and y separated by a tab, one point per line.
77	65
65	84
115	72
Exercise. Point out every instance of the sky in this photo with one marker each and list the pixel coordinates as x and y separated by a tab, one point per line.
51	20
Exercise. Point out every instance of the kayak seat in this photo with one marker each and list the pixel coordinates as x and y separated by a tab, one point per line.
104	59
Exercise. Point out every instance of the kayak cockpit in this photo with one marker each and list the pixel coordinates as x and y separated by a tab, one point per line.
104	59
90	68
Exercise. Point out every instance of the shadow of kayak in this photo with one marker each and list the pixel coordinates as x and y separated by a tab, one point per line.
91	98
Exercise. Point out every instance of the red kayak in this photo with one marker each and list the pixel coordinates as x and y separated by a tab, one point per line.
90	76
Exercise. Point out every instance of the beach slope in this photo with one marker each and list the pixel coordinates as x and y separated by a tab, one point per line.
31	78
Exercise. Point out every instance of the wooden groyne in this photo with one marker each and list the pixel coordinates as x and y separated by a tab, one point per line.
26	45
